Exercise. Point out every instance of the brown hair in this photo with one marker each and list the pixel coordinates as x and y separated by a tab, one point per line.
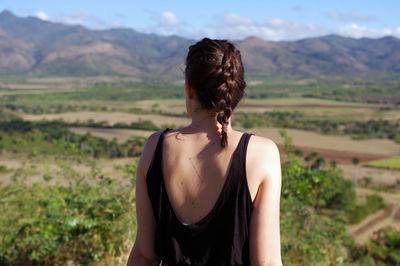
215	71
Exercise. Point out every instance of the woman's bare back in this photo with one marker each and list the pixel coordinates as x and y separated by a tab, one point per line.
195	168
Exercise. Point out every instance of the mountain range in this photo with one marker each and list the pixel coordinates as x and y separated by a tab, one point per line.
30	46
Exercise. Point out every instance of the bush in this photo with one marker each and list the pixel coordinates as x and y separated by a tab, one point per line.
360	212
87	221
382	249
312	212
3	169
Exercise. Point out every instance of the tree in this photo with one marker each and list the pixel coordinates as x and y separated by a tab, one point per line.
356	161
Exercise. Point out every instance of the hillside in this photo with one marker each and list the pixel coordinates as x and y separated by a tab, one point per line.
35	47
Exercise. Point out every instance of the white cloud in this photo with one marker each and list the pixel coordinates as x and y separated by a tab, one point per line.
77	18
89	20
357	31
354	16
275	22
387	32
166	19
233	26
41	15
81	18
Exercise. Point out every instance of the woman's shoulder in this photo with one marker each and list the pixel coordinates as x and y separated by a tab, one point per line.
151	142
148	152
263	158
150	148
262	146
153	139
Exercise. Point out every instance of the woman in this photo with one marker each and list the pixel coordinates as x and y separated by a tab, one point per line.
207	194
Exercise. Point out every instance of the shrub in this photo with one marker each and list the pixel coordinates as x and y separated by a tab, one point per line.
382	249
84	222
312	212
360	212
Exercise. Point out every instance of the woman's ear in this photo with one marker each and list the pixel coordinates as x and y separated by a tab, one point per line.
189	90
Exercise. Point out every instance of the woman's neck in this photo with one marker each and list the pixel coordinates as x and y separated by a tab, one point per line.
205	120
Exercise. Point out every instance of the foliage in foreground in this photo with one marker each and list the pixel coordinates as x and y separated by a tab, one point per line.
87	221
91	219
313	206
382	249
38	138
316	205
374	202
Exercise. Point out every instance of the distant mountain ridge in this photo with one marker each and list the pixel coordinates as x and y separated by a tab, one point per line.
33	46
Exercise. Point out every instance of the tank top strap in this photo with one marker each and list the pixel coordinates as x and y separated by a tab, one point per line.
157	152
244	143
242	151
154	179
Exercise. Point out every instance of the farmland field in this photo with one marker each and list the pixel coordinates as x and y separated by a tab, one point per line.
109	117
165	111
63	133
389	163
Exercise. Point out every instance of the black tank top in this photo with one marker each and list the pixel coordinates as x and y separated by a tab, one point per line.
222	236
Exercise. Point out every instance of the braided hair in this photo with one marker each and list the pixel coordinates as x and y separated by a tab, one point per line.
215	71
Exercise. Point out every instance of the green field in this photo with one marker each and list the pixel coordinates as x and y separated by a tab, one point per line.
390	163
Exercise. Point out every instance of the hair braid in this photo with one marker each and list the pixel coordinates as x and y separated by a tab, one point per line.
214	69
224	93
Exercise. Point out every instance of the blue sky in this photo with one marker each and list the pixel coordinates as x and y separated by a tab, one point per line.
270	20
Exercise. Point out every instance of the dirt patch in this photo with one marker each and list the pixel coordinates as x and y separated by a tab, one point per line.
32	171
315	141
254	82
378	177
120	134
380	99
397	215
65	82
305	105
379	216
342	157
110	117
364	230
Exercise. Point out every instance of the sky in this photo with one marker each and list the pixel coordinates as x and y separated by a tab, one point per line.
283	20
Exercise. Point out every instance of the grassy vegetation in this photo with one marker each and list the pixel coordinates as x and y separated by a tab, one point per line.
319	110
357	89
104	92
357	129
331	115
55	138
382	249
390	163
360	212
87	221
316	204
89	217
